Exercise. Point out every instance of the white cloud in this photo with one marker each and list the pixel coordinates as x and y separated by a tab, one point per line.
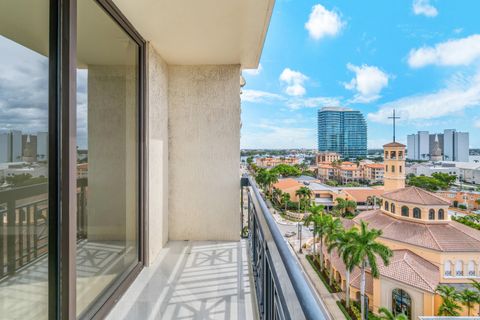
294	81
314	102
323	22
476	123
367	83
459	94
258	96
253	72
424	7
450	53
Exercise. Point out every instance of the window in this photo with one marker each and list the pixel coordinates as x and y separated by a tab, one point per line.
393	154
459	268
400	154
393	168
441	214
24	136
405	212
447	268
401	303
431	214
386	168
386	205
392	208
417	213
471	268
400	169
386	154
108	134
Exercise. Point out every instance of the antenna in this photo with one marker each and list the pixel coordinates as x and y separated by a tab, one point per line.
394	118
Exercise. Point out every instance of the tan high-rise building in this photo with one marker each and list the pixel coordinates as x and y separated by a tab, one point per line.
394	175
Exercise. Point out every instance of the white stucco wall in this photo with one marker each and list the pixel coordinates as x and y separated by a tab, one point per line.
157	133
204	152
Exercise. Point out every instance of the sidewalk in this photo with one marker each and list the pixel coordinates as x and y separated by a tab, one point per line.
329	299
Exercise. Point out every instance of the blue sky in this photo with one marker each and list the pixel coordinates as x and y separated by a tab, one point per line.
418	56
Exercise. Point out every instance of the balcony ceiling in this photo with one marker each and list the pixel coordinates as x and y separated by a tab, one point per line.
202	31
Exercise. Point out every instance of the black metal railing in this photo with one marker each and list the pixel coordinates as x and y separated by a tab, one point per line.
281	287
24	224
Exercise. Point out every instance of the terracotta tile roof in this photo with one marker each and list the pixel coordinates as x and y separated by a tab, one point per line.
445	237
375	165
416	196
287	183
361	195
347	223
394	144
356	277
411	269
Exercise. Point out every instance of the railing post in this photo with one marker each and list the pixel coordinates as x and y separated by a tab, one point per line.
11	232
2	241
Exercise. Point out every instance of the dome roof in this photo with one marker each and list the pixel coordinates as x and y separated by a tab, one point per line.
415	195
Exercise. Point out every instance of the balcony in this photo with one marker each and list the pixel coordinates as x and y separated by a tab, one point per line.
254	278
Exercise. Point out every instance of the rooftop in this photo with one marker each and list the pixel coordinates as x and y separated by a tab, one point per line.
415	195
450	236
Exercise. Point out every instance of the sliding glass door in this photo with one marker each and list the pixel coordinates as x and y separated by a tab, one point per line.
70	157
107	157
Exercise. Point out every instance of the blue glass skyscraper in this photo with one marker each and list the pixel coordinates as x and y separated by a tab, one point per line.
342	130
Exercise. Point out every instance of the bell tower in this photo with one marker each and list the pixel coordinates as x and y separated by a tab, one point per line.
394	160
394	171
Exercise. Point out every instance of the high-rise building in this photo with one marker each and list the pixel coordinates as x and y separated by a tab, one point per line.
16	145
454	145
42	146
342	130
4	147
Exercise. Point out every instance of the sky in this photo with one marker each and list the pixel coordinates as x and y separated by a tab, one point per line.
421	57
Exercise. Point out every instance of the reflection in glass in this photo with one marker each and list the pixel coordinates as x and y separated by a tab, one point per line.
107	164
23	159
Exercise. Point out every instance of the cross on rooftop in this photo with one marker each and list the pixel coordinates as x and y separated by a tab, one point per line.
393	117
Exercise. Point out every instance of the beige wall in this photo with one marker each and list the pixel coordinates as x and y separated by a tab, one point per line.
387	286
204	152
157	133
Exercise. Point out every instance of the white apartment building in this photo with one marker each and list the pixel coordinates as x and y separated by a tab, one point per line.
454	145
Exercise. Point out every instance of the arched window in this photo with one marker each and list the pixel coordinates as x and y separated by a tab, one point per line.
417	213
471	268
386	154
393	168
386	205
459	268
447	268
401	303
405	211
392	208
441	214
431	214
386	168
400	169
393	154
400	155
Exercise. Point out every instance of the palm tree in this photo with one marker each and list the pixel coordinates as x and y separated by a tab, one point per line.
364	248
350	206
450	296
386	314
334	229
341	204
341	242
469	298
370	201
276	193
321	230
303	193
285	198
315	211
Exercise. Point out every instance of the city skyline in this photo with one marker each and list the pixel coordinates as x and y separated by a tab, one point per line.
334	54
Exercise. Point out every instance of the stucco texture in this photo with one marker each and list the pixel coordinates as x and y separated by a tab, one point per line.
204	152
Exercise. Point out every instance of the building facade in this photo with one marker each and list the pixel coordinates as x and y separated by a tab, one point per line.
342	130
454	146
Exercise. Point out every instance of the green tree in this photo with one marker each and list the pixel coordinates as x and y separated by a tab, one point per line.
446	178
304	194
285	197
341	205
386	314
315	211
350	206
276	194
322	223
250	160
469	298
450	296
365	249
334	229
342	241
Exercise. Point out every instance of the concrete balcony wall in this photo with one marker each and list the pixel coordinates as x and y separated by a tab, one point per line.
157	135
204	152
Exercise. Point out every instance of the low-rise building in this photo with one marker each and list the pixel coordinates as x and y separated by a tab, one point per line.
326	157
268	162
466	198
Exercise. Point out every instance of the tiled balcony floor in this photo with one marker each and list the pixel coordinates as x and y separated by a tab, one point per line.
191	280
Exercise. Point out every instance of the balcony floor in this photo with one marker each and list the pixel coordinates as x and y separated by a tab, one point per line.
192	280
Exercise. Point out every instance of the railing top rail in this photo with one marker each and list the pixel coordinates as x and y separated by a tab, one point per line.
306	296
